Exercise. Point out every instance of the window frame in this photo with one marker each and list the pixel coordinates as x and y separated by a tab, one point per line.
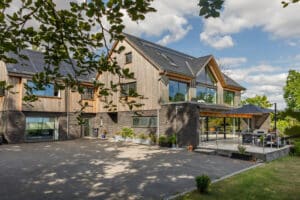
150	120
55	90
233	101
127	93
128	61
186	96
88	96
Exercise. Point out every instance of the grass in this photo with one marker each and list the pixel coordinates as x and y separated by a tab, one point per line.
279	179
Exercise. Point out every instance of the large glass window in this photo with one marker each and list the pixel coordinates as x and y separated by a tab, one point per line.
206	94
228	97
178	91
49	90
128	89
88	93
144	122
206	77
40	128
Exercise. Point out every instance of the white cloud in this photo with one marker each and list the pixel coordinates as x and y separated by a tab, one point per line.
239	15
170	20
232	61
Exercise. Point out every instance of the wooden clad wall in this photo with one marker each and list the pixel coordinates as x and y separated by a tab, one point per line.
147	79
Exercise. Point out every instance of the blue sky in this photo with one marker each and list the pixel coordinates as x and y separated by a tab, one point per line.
255	41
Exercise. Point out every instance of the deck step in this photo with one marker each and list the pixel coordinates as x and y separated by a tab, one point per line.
206	151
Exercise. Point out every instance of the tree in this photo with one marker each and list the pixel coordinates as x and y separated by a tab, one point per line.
261	101
292	90
212	8
78	36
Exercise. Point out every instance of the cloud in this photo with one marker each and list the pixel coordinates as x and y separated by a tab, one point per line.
232	61
239	15
170	20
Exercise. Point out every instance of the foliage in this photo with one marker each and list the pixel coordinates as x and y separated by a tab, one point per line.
210	8
260	183
202	183
261	101
296	148
293	131
291	90
77	36
153	138
172	139
142	136
241	149
163	141
127	132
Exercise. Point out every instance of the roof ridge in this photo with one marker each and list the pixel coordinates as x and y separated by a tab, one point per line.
160	46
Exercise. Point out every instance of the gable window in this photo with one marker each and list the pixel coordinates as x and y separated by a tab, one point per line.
88	93
206	87
206	77
128	89
178	91
48	91
128	58
228	97
144	122
2	88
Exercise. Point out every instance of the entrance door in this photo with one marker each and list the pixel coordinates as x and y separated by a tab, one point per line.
86	128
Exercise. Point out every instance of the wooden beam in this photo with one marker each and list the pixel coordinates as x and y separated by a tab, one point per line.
218	114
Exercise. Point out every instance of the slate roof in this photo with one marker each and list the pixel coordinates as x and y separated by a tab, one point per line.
36	63
249	109
173	61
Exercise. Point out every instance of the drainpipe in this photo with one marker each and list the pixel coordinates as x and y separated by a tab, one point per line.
67	108
157	114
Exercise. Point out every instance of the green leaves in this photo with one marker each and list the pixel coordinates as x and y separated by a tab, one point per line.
261	101
285	4
292	90
210	8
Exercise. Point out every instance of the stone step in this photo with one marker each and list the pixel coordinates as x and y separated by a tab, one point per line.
206	151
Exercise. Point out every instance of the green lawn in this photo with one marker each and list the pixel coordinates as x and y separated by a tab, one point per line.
279	179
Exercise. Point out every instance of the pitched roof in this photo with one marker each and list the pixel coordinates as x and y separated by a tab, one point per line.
174	61
36	64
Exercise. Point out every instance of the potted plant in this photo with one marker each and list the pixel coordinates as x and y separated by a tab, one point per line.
163	141
241	154
104	133
173	140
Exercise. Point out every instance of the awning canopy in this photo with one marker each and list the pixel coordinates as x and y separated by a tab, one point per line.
246	111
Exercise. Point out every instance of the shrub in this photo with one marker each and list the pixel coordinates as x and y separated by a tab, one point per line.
172	139
202	183
293	131
296	148
142	136
163	141
241	149
153	138
127	133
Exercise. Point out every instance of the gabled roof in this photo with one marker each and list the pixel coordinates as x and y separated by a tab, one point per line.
36	64
249	109
174	61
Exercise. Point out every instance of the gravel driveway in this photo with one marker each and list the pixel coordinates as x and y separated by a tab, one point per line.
95	169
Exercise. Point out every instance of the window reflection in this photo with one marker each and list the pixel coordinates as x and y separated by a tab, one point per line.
178	91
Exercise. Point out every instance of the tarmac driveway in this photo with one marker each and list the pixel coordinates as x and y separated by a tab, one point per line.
94	169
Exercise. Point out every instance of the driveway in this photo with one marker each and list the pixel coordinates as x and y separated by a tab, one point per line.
94	169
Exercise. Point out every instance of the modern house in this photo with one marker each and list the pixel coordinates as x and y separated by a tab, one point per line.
52	116
183	94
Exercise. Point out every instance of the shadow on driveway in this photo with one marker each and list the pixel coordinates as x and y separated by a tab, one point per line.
94	169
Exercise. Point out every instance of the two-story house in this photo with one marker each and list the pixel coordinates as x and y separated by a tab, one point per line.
184	94
53	115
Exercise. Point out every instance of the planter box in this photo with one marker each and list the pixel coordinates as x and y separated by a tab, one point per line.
242	156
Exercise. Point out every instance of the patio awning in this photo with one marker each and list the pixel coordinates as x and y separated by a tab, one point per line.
246	111
249	109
